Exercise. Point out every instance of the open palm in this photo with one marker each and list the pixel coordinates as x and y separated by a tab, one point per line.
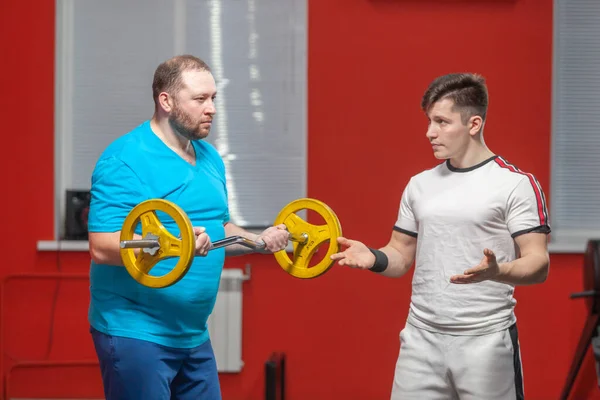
487	269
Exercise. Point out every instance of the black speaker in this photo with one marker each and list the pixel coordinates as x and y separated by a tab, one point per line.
76	218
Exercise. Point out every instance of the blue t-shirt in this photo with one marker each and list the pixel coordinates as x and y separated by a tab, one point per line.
136	167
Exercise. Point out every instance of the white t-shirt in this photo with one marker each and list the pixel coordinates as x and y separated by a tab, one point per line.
455	214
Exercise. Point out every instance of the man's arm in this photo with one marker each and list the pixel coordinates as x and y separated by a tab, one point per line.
237	249
400	253
532	266
105	247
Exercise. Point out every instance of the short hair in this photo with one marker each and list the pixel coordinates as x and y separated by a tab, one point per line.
167	77
468	92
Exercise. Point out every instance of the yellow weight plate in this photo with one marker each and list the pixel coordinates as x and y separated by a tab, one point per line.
170	246
317	235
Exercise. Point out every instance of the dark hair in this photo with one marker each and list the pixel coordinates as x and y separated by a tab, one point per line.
467	91
167	77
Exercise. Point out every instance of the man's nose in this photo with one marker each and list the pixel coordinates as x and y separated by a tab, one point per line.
432	132
211	108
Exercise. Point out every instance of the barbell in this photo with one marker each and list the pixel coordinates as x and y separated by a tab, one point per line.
157	243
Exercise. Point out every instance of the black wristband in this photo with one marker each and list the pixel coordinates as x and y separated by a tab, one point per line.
381	261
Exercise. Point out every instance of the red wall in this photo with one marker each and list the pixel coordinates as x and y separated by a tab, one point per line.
369	62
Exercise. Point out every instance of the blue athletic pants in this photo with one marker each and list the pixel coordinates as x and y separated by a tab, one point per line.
134	369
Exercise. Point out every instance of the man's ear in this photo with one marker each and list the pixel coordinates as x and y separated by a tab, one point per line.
475	125
165	101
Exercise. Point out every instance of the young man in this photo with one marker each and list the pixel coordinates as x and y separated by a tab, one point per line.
478	227
154	343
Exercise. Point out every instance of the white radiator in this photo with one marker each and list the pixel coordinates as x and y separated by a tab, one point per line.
225	323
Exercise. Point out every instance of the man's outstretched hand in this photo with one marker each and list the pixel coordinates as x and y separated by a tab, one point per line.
354	254
488	269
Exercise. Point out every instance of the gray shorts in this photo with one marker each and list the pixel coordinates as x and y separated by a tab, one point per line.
439	366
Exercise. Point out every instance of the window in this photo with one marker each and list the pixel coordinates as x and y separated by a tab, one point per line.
575	186
107	52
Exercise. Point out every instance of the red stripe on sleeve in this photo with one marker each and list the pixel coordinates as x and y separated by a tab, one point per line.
536	189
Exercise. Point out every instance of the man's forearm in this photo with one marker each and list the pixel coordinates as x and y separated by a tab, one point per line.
105	248
398	264
238	249
527	270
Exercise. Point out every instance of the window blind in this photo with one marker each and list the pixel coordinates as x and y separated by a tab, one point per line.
575	170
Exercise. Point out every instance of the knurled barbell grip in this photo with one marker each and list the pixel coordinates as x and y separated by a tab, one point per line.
257	245
228	241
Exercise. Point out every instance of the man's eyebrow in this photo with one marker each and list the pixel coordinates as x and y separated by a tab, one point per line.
204	94
436	116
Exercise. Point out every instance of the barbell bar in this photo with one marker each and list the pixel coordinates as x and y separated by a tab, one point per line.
154	244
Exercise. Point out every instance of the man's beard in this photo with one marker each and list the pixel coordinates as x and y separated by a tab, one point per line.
183	124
